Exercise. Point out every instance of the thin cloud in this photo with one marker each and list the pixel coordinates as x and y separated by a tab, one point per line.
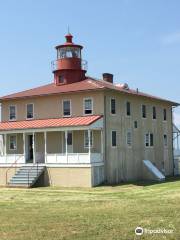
171	38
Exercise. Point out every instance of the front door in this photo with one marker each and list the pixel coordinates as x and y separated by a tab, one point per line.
29	149
69	142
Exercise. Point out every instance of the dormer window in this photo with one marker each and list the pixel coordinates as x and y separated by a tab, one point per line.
88	106
12	113
30	111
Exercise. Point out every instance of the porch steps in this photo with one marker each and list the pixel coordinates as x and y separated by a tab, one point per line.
26	176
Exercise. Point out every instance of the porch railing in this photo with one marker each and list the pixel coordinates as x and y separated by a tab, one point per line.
74	158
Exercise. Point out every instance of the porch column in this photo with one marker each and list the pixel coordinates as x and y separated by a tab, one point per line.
66	146
5	146
89	144
34	152
45	146
24	146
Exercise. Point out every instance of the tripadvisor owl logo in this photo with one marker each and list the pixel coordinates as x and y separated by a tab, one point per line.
139	231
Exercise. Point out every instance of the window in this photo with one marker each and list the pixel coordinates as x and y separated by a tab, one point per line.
88	106
149	140
135	124
69	52
12	142
128	108
113	139
164	115
113	106
165	140
30	111
66	107
129	138
144	111
61	78
12	113
154	112
86	139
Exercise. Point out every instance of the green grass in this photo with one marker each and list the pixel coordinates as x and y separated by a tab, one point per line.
98	213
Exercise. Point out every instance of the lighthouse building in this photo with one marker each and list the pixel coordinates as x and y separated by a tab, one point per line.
80	131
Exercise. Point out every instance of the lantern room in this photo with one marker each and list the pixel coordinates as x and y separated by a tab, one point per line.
69	66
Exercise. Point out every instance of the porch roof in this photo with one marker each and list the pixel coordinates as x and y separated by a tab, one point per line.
49	123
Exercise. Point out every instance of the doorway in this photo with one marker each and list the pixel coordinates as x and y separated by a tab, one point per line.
29	155
69	142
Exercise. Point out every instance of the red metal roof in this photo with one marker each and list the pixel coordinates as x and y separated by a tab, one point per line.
49	123
85	85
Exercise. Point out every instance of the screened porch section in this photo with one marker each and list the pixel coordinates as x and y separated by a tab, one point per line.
52	147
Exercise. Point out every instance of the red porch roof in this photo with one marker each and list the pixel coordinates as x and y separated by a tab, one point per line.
49	123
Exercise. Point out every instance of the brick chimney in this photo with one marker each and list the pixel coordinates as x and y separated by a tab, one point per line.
108	77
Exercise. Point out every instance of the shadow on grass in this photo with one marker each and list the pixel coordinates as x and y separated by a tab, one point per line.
142	182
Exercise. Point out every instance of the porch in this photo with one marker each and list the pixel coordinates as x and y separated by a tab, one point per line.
52	147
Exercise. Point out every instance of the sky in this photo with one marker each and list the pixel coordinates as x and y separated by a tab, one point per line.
136	40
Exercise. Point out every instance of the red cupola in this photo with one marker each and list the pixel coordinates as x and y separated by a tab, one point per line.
69	67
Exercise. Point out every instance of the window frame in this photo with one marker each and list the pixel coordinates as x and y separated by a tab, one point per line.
149	135
92	139
61	76
143	105
154	113
165	143
15	112
15	136
135	124
112	138
27	111
164	114
65	100
128	107
112	98
84	99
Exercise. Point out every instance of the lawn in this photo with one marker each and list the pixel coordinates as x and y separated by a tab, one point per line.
98	213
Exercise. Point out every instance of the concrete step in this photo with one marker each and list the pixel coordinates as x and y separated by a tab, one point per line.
26	176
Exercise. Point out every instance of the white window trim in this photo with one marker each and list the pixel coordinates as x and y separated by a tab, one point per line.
149	133
128	131
112	114
64	100
142	111
92	139
15	112
116	139
26	111
15	135
84	99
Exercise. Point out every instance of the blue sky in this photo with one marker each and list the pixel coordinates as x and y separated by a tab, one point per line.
138	41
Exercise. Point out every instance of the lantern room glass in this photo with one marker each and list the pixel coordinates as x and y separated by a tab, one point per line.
69	52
